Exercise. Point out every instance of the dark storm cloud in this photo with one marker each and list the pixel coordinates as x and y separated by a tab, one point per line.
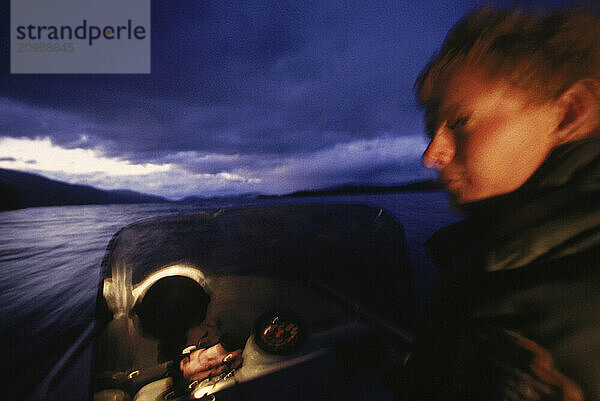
232	77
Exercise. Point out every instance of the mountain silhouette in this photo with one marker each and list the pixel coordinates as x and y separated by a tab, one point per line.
21	190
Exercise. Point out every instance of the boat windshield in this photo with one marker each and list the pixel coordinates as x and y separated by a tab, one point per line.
353	252
324	264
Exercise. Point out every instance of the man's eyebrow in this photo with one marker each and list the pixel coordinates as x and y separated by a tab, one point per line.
447	112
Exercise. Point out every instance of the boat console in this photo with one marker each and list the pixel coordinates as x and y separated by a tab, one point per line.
318	297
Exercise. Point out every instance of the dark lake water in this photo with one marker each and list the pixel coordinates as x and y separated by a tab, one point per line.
50	259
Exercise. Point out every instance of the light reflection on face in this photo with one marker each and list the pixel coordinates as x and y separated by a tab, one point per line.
488	136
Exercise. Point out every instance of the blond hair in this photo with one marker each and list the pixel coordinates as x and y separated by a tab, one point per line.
542	53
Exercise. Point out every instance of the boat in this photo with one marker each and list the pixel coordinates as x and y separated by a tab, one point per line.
322	295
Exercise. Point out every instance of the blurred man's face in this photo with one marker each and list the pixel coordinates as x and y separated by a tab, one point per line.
488	135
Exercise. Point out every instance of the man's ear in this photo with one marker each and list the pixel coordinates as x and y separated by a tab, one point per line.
580	108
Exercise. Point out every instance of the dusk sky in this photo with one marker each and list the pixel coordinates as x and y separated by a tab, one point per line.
244	96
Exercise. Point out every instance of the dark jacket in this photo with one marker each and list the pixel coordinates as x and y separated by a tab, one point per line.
516	314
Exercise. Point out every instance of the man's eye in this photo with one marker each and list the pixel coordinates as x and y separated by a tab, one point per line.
459	122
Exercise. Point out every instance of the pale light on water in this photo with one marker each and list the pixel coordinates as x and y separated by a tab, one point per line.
50	259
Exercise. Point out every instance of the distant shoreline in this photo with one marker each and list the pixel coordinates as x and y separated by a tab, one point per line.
362	189
20	190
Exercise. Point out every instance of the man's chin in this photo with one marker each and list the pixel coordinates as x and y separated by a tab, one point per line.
463	198
486	203
463	202
455	201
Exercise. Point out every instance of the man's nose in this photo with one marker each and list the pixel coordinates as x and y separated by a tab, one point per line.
441	149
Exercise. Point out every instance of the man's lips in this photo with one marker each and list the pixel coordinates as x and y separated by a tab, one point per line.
451	183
